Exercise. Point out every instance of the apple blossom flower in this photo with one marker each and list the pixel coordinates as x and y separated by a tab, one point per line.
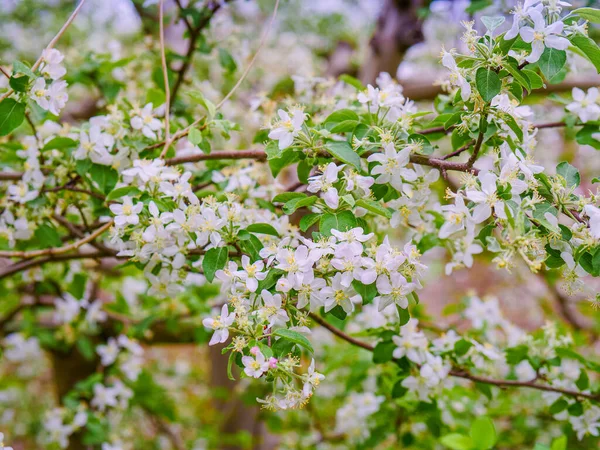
255	367
287	127
127	213
585	105
542	35
220	324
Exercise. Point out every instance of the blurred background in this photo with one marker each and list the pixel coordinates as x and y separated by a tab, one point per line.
189	392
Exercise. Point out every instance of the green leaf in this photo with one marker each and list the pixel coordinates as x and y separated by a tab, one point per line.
483	433
584	136
262	228
295	337
298	203
552	61
77	286
398	391
105	177
462	347
287	196
208	105
403	315
85	347
59	143
215	259
342	222
383	352
539	214
155	96
345	127
513	68
535	80
558	406
282	160
47	236
19	84
591	14
569	173
227	61
342	115
366	291
488	83
491	23
588	47
152	397
270	280
194	136
457	441
343	152
560	443
130	191
374	207
20	67
12	114
308	221
348	79
252	246
82	166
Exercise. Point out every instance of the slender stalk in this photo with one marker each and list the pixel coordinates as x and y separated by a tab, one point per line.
461	373
51	44
57	250
163	60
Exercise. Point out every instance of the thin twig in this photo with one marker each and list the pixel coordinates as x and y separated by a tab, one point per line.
460	373
182	133
57	250
459	151
51	44
163	60
35	262
476	149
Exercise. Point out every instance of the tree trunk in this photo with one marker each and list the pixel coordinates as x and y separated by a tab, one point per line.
398	29
69	369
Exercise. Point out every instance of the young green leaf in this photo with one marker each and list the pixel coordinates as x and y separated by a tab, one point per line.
342	151
552	61
483	433
12	114
215	259
488	83
569	173
262	228
295	337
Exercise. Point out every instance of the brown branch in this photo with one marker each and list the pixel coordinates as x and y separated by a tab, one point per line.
184	132
429	90
57	250
339	333
449	130
525	384
260	155
77	232
76	189
460	373
35	262
459	151
195	33
163	62
476	149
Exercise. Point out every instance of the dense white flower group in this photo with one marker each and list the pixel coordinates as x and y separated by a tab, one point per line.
183	227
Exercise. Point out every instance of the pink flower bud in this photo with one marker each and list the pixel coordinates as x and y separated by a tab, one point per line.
254	350
272	363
